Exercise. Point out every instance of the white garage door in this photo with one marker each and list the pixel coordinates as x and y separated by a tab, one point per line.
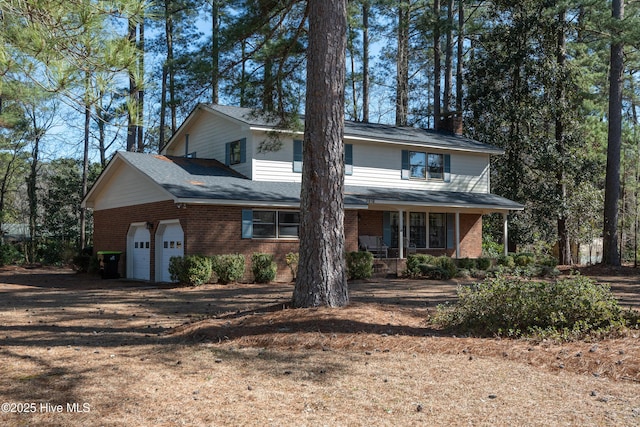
172	245
140	248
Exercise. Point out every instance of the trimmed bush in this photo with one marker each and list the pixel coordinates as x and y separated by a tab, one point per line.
524	259
466	263
192	270
567	309
263	267
228	268
434	272
483	263
506	261
413	264
292	262
447	264
359	265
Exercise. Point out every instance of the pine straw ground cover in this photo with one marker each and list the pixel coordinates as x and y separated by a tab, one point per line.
126	354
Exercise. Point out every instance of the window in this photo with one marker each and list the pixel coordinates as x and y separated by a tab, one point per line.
422	165
437	230
435	166
262	224
288	224
418	229
417	164
236	152
298	150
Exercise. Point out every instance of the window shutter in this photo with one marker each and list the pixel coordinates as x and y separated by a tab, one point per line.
348	159
297	155
247	223
386	228
447	168
451	221
227	153
405	164
243	150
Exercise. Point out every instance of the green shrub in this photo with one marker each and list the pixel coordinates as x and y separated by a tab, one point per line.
413	264
524	259
192	270
568	308
263	267
434	272
228	268
359	265
292	262
548	261
466	263
483	263
447	264
506	261
9	254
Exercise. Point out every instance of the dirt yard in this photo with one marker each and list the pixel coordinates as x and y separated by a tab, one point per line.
80	351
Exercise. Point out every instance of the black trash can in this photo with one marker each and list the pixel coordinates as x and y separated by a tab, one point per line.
109	264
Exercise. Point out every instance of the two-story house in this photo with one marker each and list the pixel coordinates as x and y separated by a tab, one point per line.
229	181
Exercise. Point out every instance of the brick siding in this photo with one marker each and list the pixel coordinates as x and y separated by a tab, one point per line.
208	230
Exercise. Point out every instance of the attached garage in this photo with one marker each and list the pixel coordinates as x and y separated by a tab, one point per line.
169	242
138	252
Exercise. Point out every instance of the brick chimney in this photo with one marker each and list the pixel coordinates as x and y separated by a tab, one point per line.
451	122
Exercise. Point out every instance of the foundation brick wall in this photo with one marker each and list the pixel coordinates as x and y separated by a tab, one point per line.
208	230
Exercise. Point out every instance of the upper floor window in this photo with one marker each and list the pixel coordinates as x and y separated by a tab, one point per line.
417	164
435	166
297	157
236	152
422	165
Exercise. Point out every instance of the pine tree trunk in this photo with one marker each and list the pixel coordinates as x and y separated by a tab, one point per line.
436	64
402	64
215	51
133	95
322	279
610	252
448	60
365	61
140	109
460	57
564	244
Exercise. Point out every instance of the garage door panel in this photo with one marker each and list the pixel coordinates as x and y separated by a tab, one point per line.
172	239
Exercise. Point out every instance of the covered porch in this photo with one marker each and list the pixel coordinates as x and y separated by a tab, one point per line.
396	224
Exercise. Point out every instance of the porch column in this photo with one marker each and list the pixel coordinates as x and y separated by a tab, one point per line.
400	237
505	232
457	234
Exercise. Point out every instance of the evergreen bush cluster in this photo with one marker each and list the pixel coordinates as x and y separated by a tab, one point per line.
359	265
263	267
9	254
514	307
191	270
228	268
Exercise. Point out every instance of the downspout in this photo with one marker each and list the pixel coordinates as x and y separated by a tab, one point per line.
186	145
